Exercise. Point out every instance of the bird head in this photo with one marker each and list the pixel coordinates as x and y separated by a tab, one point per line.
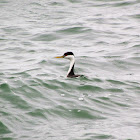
67	55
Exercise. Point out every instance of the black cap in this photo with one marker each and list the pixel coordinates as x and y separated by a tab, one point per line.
68	53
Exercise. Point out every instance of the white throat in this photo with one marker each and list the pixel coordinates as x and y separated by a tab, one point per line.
72	61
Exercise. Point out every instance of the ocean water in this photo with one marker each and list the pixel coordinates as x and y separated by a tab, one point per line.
38	101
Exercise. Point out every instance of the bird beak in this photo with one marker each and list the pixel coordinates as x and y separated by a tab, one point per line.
59	57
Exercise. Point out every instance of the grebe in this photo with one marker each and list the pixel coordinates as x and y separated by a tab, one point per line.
70	56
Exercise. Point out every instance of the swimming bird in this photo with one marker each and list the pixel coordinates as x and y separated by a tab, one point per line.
70	56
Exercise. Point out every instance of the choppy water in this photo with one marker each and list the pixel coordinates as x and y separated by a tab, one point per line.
38	102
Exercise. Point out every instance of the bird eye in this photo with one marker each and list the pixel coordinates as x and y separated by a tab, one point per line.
65	54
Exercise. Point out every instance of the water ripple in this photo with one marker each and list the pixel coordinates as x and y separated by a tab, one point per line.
38	101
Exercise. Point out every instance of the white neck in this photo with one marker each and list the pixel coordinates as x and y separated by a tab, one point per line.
72	61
